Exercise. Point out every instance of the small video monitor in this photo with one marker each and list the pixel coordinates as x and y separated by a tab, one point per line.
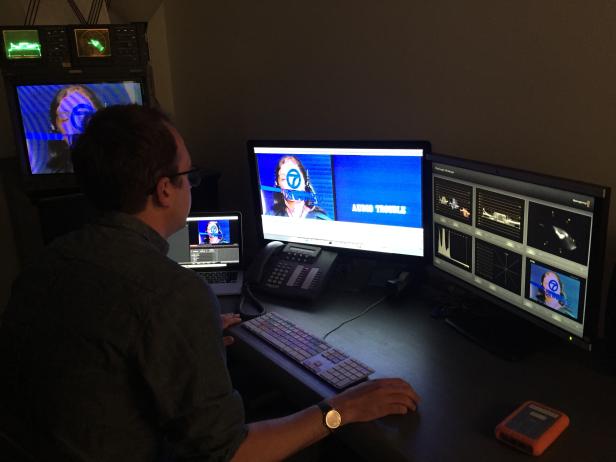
92	43
21	44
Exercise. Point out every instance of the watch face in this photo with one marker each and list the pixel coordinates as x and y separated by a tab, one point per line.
333	419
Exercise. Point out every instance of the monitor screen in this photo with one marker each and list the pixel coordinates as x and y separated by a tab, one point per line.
207	240
53	115
533	241
348	195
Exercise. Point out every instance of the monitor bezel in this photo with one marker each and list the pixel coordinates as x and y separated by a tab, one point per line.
55	183
592	326
349	144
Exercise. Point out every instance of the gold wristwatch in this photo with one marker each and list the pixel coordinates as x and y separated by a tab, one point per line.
331	417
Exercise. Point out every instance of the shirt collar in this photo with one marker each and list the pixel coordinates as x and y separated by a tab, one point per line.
134	224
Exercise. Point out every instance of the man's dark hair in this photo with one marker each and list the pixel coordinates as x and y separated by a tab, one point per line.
122	153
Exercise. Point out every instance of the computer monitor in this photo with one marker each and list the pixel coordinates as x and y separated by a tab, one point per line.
51	116
363	196
533	243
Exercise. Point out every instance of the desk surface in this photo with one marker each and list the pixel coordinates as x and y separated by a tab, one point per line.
465	390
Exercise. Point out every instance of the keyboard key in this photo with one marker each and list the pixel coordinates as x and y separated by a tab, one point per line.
220	277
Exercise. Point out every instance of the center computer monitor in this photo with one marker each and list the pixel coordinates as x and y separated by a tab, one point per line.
531	242
362	196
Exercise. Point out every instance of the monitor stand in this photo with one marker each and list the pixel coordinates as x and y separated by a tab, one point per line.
497	330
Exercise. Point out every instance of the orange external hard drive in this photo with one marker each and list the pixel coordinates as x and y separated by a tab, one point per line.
532	427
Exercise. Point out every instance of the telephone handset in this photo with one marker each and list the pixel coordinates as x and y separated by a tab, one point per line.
291	270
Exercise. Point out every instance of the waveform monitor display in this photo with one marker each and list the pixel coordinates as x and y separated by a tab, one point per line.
21	44
453	200
365	196
500	214
454	247
529	242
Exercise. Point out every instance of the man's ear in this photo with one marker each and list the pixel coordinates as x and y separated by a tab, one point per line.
162	192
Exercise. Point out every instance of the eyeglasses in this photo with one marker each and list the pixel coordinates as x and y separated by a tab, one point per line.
194	176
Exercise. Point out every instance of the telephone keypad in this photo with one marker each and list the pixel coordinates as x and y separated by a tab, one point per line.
299	257
279	274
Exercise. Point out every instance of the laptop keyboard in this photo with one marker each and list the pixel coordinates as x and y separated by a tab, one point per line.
220	277
328	363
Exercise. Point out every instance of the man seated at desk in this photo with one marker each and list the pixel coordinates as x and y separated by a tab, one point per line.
111	351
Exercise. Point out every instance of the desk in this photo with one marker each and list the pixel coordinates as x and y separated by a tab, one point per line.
465	390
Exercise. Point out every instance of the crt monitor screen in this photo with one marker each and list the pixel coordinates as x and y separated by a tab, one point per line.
53	115
534	242
346	195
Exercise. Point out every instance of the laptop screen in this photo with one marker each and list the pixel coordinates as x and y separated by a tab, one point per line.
208	240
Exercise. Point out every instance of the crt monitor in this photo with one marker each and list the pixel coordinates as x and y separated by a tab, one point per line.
364	196
50	116
532	242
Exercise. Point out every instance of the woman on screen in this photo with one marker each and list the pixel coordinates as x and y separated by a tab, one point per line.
552	293
297	198
68	114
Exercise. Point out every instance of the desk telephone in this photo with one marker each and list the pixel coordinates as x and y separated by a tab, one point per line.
291	270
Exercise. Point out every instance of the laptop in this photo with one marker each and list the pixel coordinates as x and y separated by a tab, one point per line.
211	245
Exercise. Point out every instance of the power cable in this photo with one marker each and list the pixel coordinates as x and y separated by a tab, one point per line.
370	307
77	11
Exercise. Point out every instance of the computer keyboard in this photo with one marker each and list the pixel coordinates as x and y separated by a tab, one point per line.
218	277
329	363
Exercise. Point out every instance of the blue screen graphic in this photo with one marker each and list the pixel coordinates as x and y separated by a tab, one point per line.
378	190
381	190
54	115
214	232
555	290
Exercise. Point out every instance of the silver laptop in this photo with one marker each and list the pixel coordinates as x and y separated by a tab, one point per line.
211	245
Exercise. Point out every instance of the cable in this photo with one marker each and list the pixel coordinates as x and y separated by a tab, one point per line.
247	292
99	6
89	20
77	11
38	3
92	12
380	300
29	12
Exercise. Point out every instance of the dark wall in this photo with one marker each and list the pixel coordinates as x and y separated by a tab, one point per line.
526	84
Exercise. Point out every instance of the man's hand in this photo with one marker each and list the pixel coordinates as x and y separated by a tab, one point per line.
374	399
228	320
